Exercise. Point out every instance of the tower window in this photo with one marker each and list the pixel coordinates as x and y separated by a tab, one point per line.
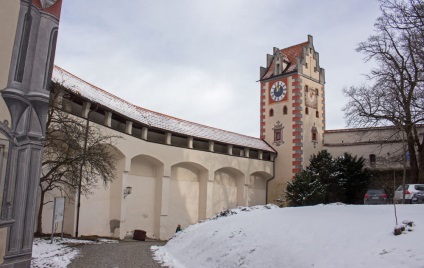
372	160
317	92
306	65
278	135
285	109
317	114
314	136
306	110
278	69
271	112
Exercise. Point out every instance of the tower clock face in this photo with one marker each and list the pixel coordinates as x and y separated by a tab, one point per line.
278	91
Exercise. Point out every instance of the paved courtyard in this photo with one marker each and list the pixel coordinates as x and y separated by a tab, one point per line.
119	255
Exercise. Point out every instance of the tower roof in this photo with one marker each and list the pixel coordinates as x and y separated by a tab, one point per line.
290	54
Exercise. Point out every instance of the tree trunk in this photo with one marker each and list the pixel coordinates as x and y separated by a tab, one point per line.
40	214
413	163
421	165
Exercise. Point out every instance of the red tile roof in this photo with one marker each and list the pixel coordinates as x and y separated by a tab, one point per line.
153	119
290	53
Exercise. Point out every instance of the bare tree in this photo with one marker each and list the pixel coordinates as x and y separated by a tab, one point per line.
65	157
395	95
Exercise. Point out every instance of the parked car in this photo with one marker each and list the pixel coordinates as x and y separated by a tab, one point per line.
418	198
376	196
410	190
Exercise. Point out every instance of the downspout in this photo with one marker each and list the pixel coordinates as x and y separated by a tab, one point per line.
273	174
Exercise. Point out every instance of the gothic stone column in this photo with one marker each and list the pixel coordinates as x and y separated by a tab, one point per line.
27	98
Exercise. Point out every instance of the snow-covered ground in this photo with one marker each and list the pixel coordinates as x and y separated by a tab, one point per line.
327	236
60	253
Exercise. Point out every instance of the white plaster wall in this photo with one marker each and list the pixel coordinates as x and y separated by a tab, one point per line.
256	191
140	205
172	201
225	191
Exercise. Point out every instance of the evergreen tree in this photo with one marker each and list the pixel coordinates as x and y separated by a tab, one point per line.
305	190
322	168
352	177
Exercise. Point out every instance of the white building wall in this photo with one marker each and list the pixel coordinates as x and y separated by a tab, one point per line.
170	186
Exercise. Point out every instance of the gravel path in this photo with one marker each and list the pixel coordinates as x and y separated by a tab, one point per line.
119	255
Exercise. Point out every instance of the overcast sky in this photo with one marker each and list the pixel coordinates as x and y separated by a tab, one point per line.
199	60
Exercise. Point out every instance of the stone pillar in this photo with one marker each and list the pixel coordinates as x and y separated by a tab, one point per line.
144	131
211	146
206	195
229	149
190	143
128	127
123	220
164	184
260	155
246	152
168	138
108	119
85	109
27	98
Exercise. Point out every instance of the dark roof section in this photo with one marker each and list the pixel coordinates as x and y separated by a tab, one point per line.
153	119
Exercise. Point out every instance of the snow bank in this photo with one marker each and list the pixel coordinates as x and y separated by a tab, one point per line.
329	236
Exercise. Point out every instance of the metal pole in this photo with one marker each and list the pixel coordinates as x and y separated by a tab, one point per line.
80	173
54	210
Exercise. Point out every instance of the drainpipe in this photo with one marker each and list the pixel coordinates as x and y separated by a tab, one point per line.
273	177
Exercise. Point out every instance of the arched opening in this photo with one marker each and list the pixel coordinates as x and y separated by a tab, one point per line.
187	195
141	212
228	189
256	194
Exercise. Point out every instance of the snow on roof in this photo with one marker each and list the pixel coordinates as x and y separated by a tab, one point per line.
150	118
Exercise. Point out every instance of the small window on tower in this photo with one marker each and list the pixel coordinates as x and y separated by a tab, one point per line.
271	112
372	160
314	136
306	89
306	110
306	65
316	92
285	109
278	135
317	114
278	69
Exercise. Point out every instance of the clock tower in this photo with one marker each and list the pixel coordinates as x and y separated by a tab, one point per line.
292	106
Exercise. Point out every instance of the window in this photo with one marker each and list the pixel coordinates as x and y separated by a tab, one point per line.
316	92
271	112
317	114
306	110
285	109
372	160
314	134
278	135
278	69
306	65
